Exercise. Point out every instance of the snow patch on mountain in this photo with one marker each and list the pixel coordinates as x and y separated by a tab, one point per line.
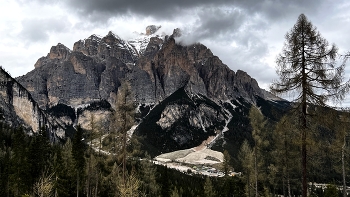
140	42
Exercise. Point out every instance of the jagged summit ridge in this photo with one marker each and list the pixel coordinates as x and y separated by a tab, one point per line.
154	63
109	45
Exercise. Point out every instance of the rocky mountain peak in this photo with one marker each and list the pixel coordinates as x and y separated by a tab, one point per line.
151	29
59	52
95	37
111	38
177	32
88	46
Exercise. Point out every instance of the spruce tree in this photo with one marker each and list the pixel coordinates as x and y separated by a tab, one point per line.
307	67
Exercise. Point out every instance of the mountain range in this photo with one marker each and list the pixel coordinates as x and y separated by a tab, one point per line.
184	93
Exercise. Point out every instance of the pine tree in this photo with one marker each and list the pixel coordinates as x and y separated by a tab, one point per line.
258	123
208	188
44	186
19	181
175	193
246	158
130	186
226	162
94	177
67	175
5	157
39	154
148	176
286	150
307	67
124	118
331	191
339	122
92	132
78	150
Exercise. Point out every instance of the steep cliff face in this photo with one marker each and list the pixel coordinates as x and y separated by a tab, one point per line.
18	108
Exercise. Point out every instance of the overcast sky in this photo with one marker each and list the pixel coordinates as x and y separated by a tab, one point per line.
244	34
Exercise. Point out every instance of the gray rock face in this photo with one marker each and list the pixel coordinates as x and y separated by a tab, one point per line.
171	114
88	46
94	70
152	29
18	108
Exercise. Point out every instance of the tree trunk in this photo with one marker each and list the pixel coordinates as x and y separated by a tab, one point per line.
304	122
96	190
99	150
283	186
88	180
8	187
77	184
248	180
256	172
18	181
124	144
56	187
304	155
88	192
343	167
288	185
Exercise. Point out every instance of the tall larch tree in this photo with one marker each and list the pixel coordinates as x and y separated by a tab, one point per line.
246	158
78	151
286	151
124	118
307	67
258	122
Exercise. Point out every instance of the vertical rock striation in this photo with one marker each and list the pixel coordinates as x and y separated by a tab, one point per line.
18	108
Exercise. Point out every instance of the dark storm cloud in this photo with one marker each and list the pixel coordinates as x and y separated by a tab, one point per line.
101	10
167	9
220	19
38	30
212	18
154	8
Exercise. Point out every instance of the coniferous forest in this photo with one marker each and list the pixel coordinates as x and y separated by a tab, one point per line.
31	166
